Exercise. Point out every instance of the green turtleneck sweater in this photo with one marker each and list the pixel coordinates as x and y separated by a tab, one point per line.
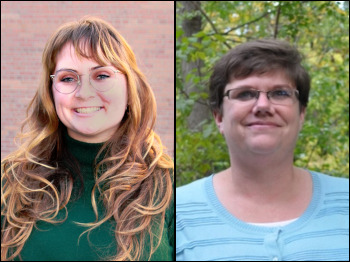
59	242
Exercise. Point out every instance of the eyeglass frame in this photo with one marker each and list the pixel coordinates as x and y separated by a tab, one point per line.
295	91
79	82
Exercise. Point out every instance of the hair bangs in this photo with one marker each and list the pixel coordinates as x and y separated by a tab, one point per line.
88	47
91	41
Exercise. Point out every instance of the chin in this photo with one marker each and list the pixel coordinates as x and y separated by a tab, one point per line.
264	152
263	148
86	132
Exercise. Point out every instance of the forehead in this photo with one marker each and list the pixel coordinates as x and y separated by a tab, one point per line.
67	53
67	57
261	81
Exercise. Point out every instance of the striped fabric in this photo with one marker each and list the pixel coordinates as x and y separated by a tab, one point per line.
206	231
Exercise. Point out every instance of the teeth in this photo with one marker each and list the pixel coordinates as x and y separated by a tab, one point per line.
87	110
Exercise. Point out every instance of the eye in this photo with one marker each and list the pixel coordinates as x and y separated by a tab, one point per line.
244	94
101	76
281	93
68	79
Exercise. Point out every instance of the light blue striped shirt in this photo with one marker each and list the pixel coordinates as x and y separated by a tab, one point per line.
206	231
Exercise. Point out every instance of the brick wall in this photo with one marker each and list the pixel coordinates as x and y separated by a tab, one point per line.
26	26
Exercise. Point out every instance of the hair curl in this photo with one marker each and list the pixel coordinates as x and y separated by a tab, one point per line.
136	184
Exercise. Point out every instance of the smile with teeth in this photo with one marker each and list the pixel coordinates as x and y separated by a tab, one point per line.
87	110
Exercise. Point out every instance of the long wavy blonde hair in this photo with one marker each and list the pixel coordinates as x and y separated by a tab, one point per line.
136	183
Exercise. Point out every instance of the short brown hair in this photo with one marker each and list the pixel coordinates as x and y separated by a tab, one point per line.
258	57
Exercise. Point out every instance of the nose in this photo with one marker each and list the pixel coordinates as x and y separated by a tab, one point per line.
262	98
263	104
85	89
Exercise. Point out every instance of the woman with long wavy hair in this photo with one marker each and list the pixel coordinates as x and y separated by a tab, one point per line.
90	180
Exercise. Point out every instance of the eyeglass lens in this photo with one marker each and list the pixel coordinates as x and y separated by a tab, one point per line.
102	79
281	96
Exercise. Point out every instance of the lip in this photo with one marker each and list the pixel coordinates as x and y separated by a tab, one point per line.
262	124
86	107
86	114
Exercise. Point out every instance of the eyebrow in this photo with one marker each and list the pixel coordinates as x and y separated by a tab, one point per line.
273	87
92	68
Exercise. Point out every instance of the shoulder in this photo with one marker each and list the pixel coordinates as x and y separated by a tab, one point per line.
191	191
331	183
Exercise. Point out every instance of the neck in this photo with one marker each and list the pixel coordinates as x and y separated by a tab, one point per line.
264	189
263	178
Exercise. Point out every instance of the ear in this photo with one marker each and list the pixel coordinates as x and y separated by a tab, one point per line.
218	120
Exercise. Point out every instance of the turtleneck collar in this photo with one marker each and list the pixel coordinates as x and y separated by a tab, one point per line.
84	152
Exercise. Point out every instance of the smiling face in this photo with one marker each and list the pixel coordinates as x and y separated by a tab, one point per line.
89	115
260	128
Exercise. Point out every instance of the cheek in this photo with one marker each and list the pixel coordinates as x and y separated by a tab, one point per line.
61	102
235	116
231	121
116	99
295	119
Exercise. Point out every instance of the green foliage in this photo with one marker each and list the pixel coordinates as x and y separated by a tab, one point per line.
319	29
